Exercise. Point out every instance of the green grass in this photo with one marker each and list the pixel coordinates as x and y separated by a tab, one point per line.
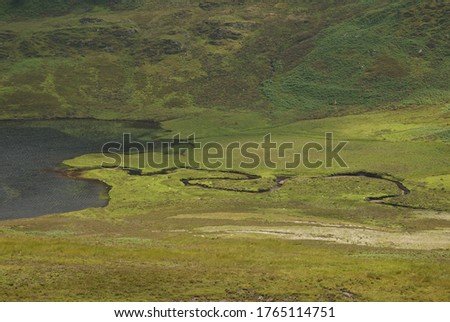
314	239
202	268
371	60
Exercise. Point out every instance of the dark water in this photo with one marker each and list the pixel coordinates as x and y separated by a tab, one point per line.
30	151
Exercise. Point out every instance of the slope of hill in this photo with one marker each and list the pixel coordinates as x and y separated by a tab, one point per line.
394	54
165	59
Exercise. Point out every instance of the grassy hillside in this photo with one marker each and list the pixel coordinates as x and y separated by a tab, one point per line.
393	54
158	59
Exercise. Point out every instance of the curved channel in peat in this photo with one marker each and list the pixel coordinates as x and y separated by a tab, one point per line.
278	181
379	200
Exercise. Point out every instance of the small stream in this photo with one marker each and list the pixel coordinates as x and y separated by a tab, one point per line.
380	200
278	182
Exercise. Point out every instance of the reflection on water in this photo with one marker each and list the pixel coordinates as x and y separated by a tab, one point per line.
31	150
